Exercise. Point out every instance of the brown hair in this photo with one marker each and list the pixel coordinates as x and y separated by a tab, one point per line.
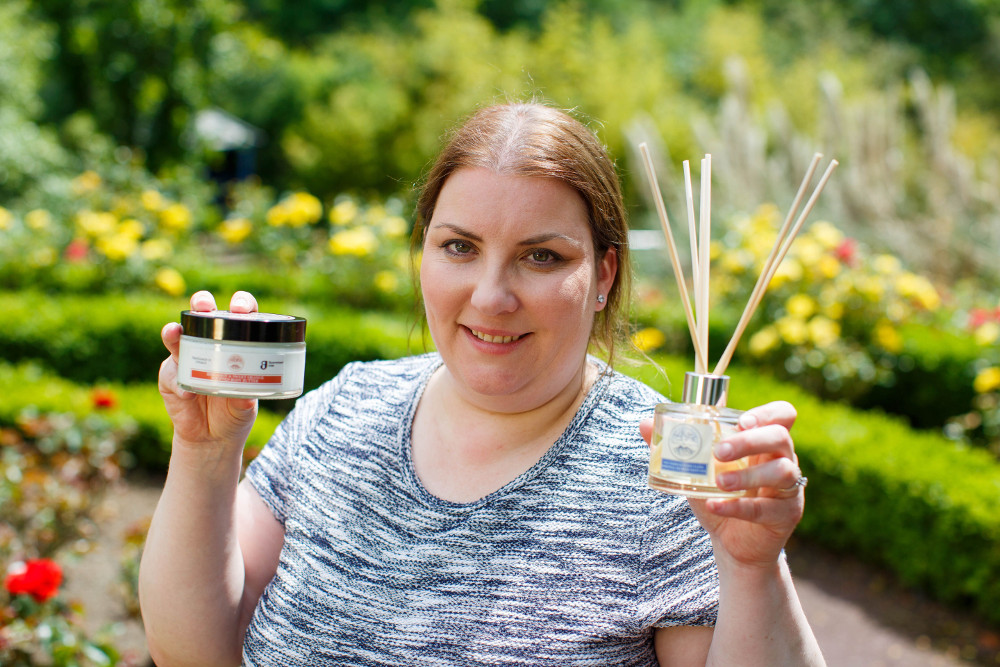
530	139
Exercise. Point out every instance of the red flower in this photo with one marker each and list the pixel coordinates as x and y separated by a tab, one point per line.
104	399
846	250
38	578
76	251
978	317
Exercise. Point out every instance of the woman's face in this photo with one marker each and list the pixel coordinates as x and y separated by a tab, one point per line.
510	283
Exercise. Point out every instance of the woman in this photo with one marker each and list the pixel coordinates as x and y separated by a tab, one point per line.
486	503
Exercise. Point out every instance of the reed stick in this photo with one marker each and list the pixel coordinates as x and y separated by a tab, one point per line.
772	268
761	285
661	211
704	263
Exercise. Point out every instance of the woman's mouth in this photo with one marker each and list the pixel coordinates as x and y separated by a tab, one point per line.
494	339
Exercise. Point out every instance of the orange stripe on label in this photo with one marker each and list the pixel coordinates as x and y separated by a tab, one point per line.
236	377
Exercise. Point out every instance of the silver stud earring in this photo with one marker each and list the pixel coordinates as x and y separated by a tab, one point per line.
600	298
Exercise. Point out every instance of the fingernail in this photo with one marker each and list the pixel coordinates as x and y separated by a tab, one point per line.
241	303
723	451
728	479
747	420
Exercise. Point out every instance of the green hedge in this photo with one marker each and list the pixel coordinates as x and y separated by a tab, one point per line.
915	502
933	372
116	338
912	501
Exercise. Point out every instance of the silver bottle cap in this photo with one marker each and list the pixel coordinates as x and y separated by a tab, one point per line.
705	389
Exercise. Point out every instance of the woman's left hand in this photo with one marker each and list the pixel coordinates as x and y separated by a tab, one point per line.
753	529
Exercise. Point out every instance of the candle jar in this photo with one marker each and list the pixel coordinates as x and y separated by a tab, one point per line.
241	355
682	456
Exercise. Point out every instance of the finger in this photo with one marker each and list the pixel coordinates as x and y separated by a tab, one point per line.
776	412
171	336
781	515
203	301
776	474
773	439
243	302
167	380
646	430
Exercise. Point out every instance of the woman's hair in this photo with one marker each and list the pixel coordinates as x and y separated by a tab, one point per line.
530	139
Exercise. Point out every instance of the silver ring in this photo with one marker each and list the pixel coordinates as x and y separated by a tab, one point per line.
800	483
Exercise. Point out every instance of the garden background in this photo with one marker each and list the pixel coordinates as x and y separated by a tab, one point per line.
149	148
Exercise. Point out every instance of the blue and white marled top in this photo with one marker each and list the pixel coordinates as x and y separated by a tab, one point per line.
572	563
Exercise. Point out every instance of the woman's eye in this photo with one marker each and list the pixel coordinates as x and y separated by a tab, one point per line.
541	256
458	247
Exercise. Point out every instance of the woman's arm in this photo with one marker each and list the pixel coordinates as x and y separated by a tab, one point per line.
760	621
213	544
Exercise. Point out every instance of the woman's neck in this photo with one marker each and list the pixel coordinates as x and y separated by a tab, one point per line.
464	450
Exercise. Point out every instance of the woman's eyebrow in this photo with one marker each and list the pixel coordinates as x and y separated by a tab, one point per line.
533	240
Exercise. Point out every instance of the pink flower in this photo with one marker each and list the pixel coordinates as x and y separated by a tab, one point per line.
76	251
38	578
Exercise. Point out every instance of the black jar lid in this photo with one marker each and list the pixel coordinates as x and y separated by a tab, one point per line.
245	327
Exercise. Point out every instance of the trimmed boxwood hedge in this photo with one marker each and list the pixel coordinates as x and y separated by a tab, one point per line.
912	501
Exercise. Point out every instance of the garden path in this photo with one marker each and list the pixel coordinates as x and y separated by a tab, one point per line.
861	618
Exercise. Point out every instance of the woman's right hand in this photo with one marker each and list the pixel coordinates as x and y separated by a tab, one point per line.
205	422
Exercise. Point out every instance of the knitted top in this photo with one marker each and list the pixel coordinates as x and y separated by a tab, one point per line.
575	562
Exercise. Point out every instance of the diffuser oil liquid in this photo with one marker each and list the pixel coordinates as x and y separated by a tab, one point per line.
682	459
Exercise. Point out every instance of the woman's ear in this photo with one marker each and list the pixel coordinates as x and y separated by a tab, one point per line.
607	269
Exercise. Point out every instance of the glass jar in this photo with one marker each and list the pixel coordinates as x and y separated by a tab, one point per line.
682	456
242	355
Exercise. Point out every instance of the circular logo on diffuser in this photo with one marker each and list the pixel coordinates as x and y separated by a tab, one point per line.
684	442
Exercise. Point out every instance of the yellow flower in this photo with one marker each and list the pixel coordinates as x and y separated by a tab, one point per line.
359	241
801	306
808	251
116	247
235	230
886	337
96	224
6	218
176	217
38	219
987	380
987	334
792	330
826	235
394	227
918	289
829	267
870	288
764	341
152	200
277	215
887	264
736	261
88	181
43	257
823	331
789	271
156	249
386	281
302	209
132	228
343	212
648	339
170	281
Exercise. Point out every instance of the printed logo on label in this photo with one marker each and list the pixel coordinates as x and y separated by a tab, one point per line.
685	442
235	362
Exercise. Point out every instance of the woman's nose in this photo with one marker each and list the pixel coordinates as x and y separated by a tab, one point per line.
493	293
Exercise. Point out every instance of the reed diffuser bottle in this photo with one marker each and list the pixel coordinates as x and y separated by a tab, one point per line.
682	459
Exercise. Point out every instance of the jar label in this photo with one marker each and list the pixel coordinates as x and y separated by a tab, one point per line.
686	448
236	368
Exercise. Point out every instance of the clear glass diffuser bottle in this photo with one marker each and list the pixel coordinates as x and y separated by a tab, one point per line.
682	457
